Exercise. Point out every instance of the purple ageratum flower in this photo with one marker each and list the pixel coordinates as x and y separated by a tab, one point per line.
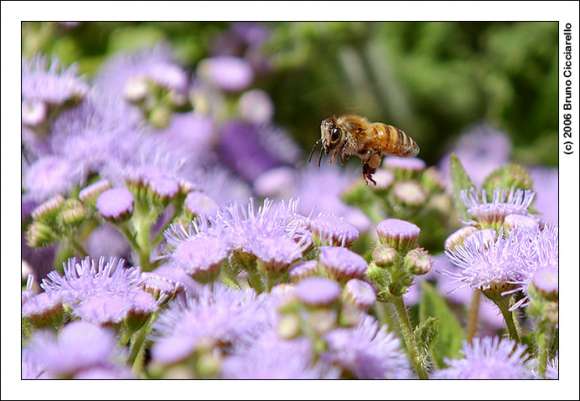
191	133
481	150
110	372
175	276
546	186
102	291
230	74
360	293
42	307
317	291
486	264
216	316
199	204
502	204
272	358
489	358
241	149
404	163
50	83
242	224
545	279
199	254
34	112
367	351
276	253
279	144
332	229
255	106
115	204
342	263
107	241
276	183
49	176
116	73
30	368
78	347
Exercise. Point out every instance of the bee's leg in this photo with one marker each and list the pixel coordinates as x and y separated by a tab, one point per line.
368	172
372	162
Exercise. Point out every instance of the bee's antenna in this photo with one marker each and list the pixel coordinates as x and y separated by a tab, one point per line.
313	149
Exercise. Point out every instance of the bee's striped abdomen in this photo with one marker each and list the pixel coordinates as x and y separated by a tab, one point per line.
395	141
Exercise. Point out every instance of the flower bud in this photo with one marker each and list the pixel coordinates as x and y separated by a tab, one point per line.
359	293
509	177
136	89
34	113
404	167
115	204
48	210
418	261
289	327
40	235
431	180
384	256
409	193
341	263
545	281
208	364
73	213
458	237
398	234
384	179
303	270
317	291
199	204
163	189
90	193
44	310
160	117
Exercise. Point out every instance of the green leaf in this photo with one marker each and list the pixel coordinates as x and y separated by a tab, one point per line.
460	181
450	334
426	332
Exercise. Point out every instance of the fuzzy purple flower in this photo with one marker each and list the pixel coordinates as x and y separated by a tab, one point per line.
342	263
411	164
101	292
272	358
199	204
199	255
317	291
49	82
216	316
398	234
546	186
79	346
278	182
49	176
230	74
501	204
489	358
256	107
303	270
367	351
360	293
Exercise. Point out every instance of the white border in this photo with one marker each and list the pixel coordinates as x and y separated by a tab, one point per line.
13	388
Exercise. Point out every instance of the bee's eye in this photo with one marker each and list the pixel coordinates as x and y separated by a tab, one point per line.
334	134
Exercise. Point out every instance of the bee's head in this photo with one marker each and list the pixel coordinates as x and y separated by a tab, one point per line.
330	134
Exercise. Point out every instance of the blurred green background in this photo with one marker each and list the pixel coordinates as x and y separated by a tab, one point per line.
433	79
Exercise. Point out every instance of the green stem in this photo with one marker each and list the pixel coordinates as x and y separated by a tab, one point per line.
138	341
503	303
409	336
473	315
542	342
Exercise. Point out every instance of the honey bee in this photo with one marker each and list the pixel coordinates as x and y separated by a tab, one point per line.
352	135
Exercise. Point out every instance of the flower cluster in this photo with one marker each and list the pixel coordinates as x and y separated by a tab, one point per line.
186	239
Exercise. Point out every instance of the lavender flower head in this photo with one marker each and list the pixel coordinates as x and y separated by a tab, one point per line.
332	229
367	351
199	204
256	107
276	183
42	308
49	176
552	369
272	358
342	263
49	82
489	358
317	291
502	204
545	280
303	270
276	253
230	74
78	347
546	185
215	316
404	163
102	291
199	255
